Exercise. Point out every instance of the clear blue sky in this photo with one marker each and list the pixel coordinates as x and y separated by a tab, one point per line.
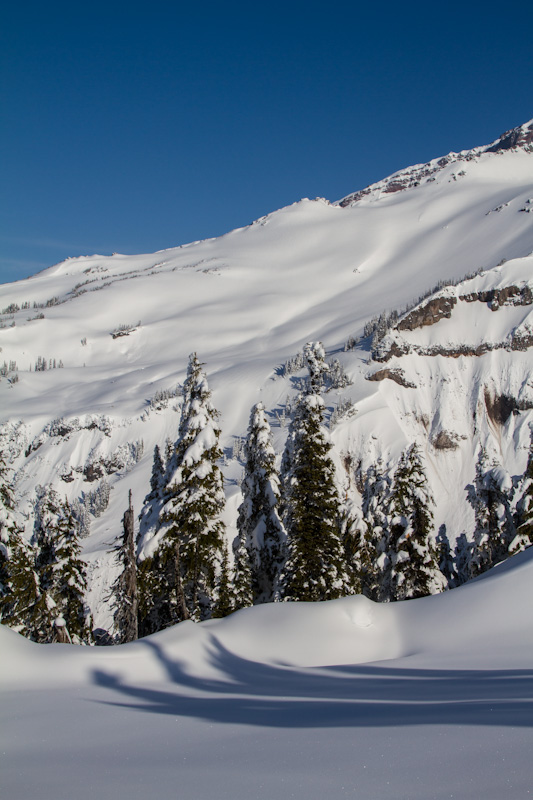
132	127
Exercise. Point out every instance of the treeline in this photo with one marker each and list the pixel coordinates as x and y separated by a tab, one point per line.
298	540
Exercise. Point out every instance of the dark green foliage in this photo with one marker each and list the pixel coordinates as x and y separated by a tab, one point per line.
61	571
375	562
224	602
179	567
259	551
315	568
494	529
411	548
524	521
123	592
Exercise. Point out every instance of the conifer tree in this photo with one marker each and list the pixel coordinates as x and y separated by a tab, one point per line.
19	585
261	535
178	577
64	616
124	589
412	550
315	356
494	529
524	522
377	498
224	602
315	568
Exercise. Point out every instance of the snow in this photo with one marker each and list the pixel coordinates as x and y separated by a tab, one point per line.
419	699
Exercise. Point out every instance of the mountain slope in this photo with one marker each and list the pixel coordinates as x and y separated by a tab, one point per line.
123	326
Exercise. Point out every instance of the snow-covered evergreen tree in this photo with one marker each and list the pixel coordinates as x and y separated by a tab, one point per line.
123	593
259	551
377	498
315	568
19	585
315	357
445	557
158	472
224	603
64	615
412	550
462	558
178	578
524	517
490	497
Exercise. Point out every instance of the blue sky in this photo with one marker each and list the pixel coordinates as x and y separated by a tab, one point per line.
131	127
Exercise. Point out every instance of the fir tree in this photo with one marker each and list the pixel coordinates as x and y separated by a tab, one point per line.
377	498
524	518
124	589
64	616
494	529
224	602
315	568
158	472
179	576
315	356
412	550
19	585
261	535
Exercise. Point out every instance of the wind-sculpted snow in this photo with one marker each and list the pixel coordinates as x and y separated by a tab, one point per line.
348	697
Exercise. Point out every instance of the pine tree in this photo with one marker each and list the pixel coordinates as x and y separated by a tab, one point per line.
524	521
315	568
224	602
70	579
494	529
315	356
377	499
412	550
124	589
178	576
64	616
261	535
158	472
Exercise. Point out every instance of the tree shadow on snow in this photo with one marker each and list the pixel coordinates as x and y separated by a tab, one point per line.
252	693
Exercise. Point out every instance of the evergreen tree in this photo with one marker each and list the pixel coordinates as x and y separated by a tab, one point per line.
490	498
124	589
158	472
243	581
261	536
315	356
524	518
462	559
19	585
178	574
377	498
445	558
224	602
315	568
64	616
412	550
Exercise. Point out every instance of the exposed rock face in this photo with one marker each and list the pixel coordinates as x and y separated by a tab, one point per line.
445	440
500	408
395	375
436	309
518	137
496	298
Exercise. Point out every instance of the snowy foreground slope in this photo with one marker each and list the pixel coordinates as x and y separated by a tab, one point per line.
422	699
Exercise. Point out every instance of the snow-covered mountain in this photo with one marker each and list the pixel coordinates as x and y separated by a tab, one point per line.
451	372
